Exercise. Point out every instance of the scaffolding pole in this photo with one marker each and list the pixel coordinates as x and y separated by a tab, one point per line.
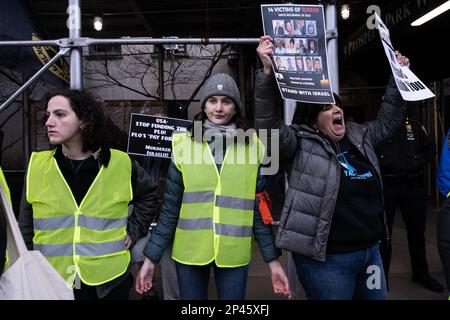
74	25
85	41
161	72
75	44
332	44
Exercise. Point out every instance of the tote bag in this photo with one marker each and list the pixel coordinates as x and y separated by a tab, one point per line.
30	276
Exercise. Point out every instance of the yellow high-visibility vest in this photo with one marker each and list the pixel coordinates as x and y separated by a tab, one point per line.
8	193
86	239
216	217
5	185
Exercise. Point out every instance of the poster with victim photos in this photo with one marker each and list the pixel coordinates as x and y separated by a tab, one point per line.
411	88
300	57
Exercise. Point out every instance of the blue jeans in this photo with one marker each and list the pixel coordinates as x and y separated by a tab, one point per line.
231	283
345	276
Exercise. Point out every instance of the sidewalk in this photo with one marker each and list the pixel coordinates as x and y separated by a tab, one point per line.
402	288
259	285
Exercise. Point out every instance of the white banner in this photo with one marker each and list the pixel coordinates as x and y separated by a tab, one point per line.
410	87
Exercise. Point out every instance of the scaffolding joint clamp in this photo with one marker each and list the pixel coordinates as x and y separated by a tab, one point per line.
332	34
73	42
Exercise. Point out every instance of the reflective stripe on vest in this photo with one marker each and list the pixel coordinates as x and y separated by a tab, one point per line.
195	224
236	203
83	221
233	231
54	250
101	224
199	196
53	223
89	236
88	249
216	216
207	224
99	249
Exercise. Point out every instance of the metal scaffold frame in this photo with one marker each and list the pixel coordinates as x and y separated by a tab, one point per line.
75	42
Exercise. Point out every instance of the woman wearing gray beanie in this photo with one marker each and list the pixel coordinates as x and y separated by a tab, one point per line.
209	205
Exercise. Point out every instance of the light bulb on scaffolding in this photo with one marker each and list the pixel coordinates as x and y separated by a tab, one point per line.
345	11
98	23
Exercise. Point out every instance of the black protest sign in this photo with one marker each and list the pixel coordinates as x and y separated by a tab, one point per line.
300	56
151	136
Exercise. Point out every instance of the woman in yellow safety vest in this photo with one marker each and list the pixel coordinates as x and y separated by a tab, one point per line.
209	204
75	203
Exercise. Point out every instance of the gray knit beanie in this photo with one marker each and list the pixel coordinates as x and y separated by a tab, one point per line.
221	84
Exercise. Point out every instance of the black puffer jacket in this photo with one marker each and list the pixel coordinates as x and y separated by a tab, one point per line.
315	176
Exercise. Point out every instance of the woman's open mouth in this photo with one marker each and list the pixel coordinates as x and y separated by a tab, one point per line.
338	122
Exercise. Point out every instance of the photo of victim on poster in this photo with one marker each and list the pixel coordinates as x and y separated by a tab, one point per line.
300	55
410	86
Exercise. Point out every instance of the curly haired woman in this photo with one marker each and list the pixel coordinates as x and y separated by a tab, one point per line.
75	205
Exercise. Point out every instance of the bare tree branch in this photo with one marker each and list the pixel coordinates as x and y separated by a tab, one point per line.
11	144
138	70
214	61
11	77
100	73
10	116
